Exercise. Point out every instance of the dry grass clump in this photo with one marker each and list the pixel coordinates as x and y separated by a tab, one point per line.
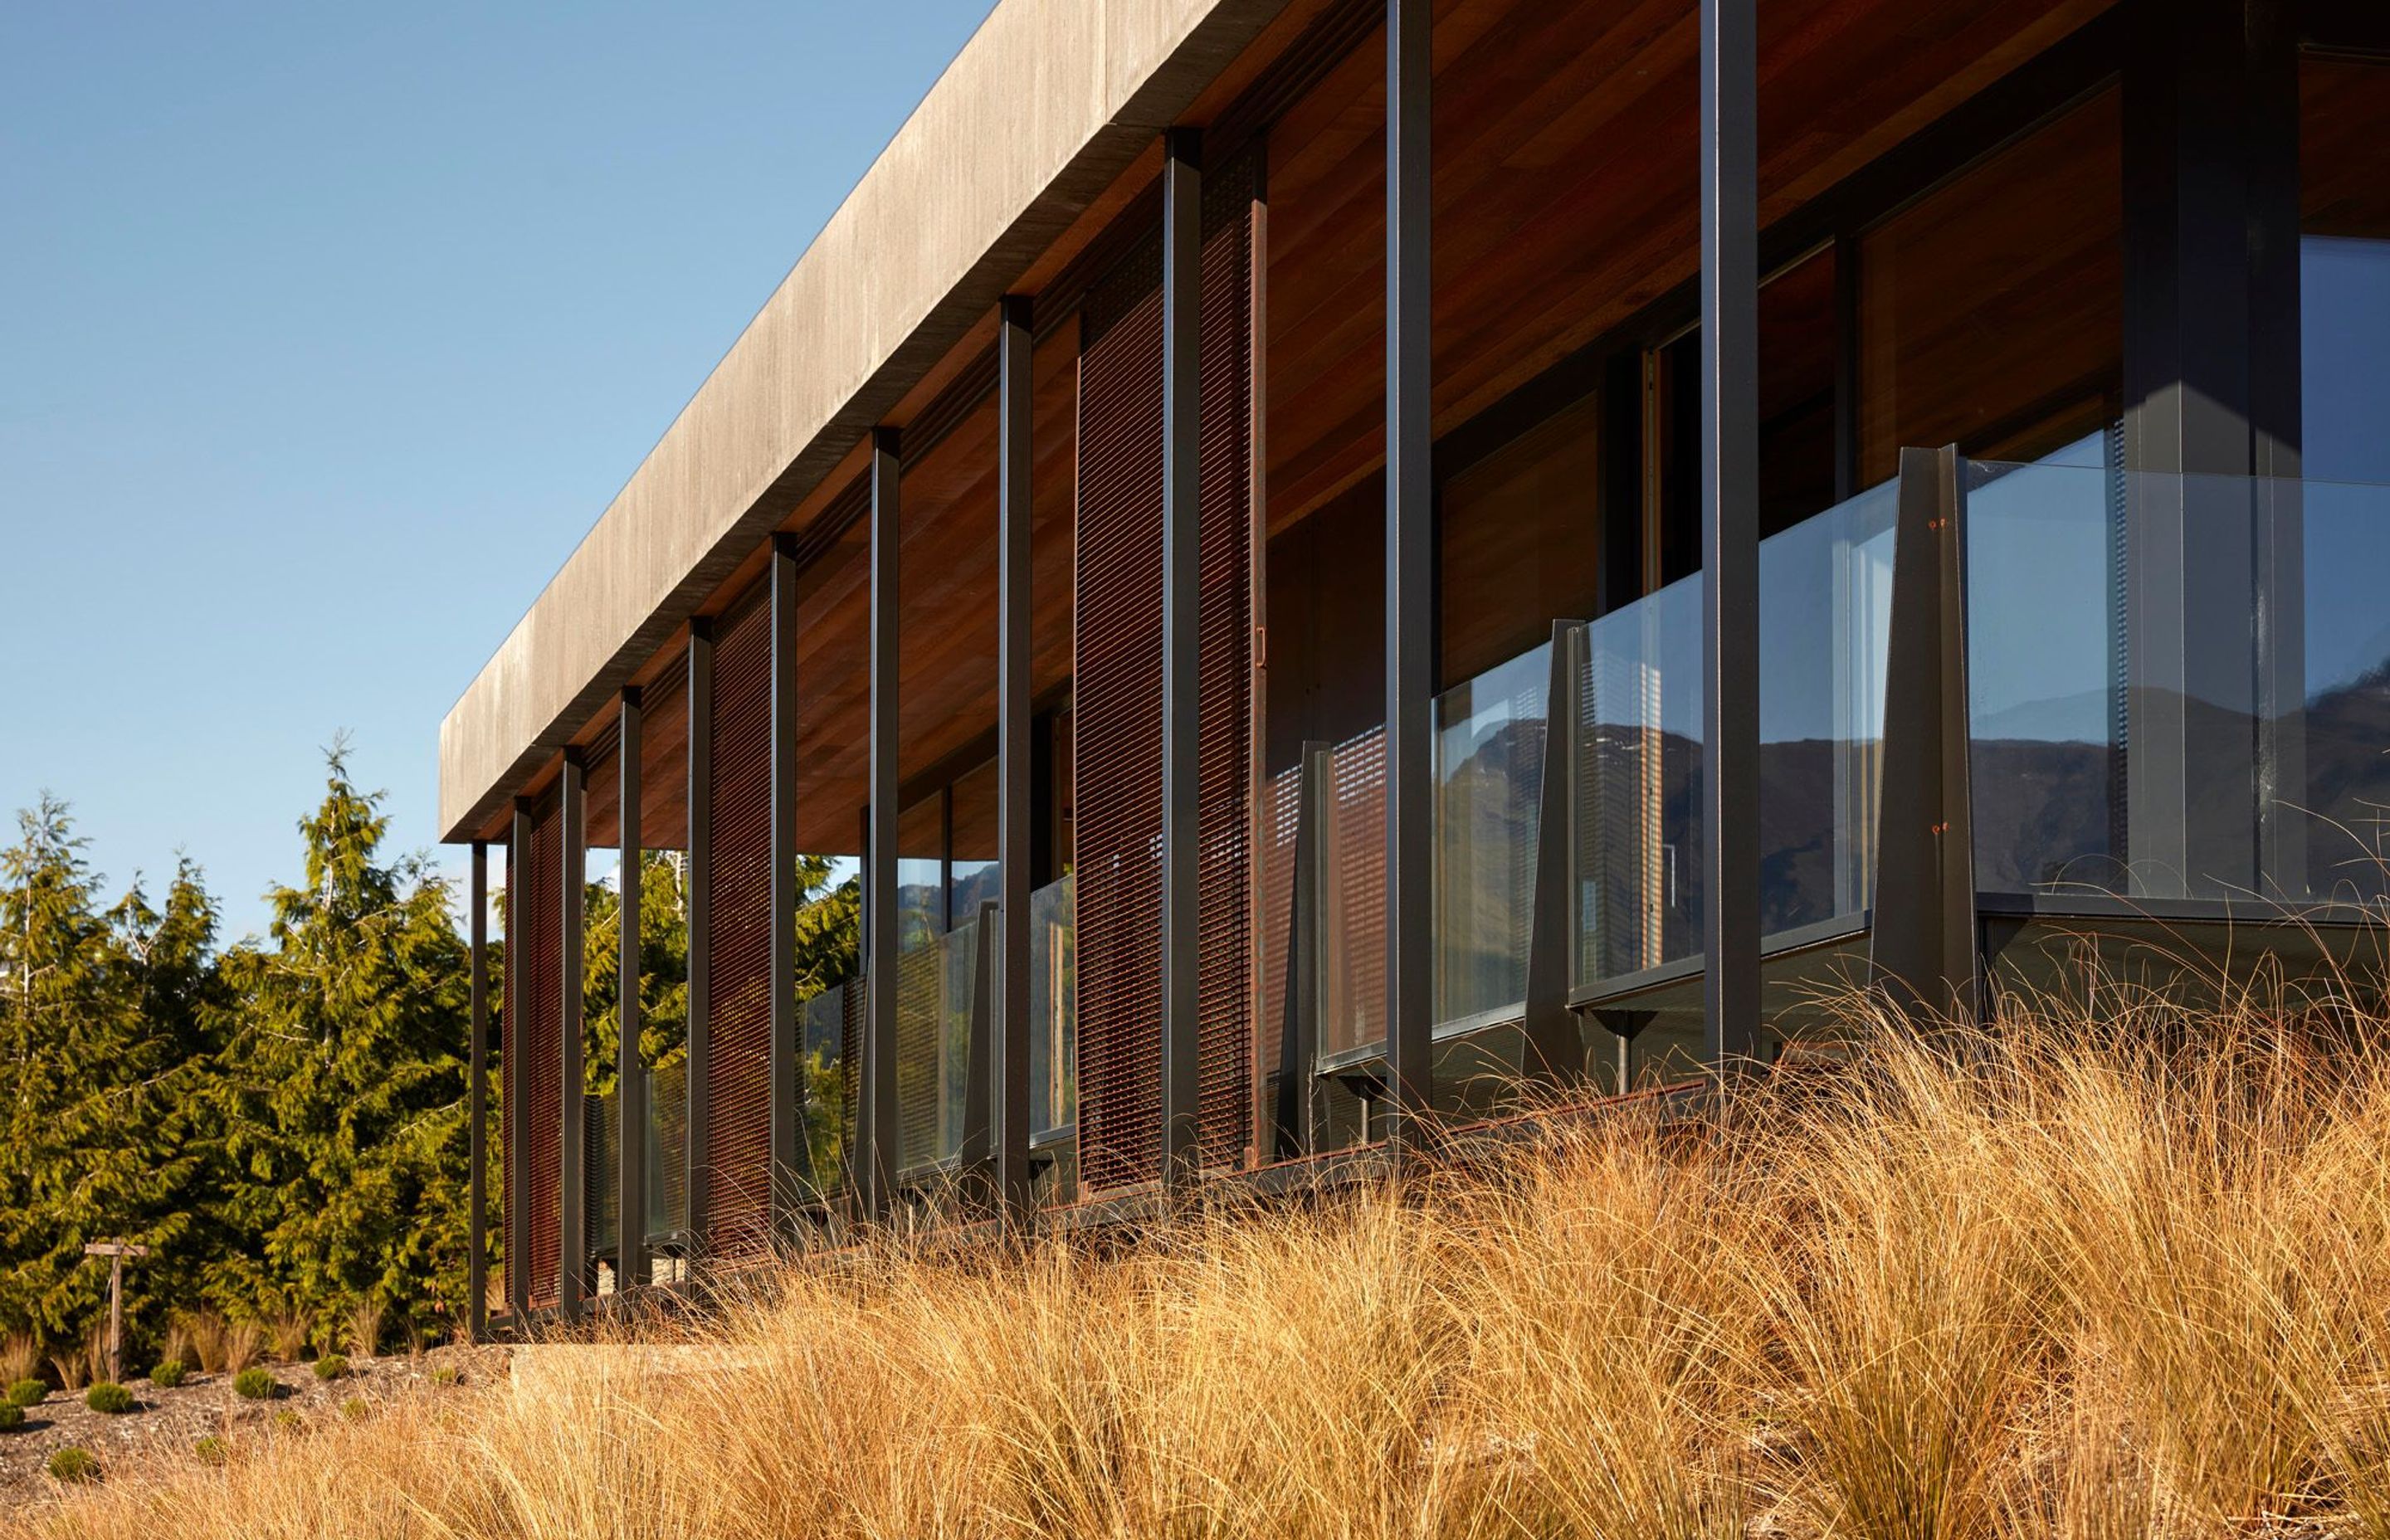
2067	1278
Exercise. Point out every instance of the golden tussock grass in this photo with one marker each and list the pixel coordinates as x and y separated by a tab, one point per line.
2073	1276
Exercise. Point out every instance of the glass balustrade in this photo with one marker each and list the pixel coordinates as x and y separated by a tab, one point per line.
934	981
1489	786
1635	740
667	1173
1053	1011
602	1173
826	1027
2179	684
1825	613
1636	800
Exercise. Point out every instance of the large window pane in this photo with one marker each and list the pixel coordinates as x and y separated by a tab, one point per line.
1990	311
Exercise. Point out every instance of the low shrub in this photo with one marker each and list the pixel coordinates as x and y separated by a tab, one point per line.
12	1417
288	1421
72	1464
356	1408
211	1449
27	1393
445	1375
167	1375
254	1384
110	1397
331	1367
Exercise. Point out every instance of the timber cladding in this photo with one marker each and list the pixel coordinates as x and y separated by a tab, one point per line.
1116	713
736	1153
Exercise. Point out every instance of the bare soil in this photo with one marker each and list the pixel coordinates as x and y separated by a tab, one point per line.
167	1425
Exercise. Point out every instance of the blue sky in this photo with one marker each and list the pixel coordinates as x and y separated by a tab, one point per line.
326	331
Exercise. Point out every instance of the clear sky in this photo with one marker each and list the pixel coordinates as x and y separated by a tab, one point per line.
325	331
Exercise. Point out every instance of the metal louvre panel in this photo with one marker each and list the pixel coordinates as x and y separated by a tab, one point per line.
737	1121
1116	727
1116	711
535	915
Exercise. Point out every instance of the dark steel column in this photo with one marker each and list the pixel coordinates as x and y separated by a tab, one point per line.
877	1148
1015	514
517	1111
572	1190
786	1092
1182	285
1411	580
1729	137
477	1103
700	923
630	1070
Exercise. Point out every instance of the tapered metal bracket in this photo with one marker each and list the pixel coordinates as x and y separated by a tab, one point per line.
1922	952
1298	1047
1554	1050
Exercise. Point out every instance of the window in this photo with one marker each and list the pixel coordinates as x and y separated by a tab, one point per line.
1990	311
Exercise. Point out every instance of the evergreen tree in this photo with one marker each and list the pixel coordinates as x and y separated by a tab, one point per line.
341	1095
101	1016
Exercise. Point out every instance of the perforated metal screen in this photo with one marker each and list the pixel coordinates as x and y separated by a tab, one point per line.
1117	701
534	1053
738	1117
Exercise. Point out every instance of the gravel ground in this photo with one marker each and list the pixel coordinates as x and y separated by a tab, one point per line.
169	1423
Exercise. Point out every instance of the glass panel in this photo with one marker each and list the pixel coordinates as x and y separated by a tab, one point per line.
603	1176
1521	542
2120	681
1489	781
1053	1014
1825	603
921	871
829	1102
2044	570
1352	882
668	1149
1637	801
971	866
1990	310
933	1004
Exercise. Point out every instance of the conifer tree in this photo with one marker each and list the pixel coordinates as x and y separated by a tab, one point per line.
94	1143
341	1095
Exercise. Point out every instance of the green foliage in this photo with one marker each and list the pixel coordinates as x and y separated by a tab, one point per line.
332	1366
211	1449
356	1408
445	1375
341	1092
12	1417
27	1393
74	1464
289	1421
255	1384
110	1397
167	1375
105	1029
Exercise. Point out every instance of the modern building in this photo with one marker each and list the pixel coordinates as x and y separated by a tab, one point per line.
1332	562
